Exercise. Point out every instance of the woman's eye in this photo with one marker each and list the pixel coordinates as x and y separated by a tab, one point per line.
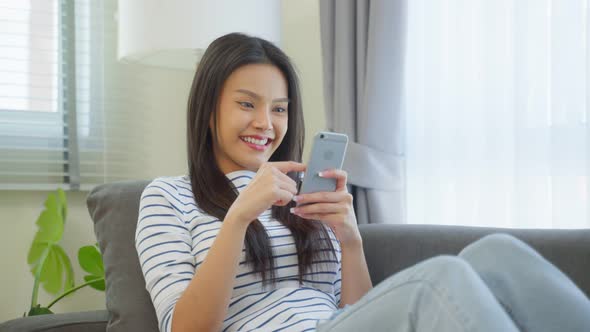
280	109
246	104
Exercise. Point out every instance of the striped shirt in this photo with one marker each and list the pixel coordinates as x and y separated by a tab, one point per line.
173	237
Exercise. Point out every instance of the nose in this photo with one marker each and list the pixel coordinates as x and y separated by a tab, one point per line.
263	119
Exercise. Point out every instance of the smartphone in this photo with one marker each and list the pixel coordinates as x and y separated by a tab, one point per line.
327	152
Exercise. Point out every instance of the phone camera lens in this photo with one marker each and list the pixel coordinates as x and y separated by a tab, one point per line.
322	136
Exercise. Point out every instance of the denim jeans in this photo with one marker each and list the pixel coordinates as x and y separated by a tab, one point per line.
495	284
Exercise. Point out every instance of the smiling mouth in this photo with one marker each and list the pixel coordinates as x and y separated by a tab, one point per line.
258	142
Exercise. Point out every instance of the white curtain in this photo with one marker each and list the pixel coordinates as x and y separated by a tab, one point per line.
497	101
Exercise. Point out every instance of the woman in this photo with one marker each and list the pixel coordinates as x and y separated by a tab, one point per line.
229	247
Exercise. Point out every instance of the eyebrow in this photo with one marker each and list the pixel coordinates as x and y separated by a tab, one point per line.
256	96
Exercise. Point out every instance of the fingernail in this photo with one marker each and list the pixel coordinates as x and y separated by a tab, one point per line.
321	174
296	198
292	210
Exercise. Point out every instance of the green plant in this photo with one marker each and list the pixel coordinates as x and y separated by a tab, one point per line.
49	263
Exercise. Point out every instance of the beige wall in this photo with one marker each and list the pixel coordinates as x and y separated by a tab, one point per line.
19	209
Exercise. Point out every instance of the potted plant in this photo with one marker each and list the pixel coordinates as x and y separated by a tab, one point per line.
49	263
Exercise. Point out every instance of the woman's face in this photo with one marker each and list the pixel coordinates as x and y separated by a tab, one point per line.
252	117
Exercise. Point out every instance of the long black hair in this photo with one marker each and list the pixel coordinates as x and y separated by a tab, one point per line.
214	193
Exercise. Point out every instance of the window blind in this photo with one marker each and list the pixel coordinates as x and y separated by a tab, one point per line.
66	104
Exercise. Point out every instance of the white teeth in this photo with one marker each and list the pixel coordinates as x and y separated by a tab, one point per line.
255	141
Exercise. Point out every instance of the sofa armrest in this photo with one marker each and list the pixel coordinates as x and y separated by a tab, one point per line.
392	248
86	321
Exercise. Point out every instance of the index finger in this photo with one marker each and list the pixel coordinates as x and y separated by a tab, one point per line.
289	166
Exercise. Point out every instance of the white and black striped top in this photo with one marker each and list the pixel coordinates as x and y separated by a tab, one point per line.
173	237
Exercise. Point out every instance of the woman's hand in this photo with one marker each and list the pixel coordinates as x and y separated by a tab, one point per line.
270	186
333	208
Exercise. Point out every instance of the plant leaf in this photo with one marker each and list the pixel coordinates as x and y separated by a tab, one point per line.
35	253
69	281
51	272
39	310
91	261
50	231
98	285
44	257
50	224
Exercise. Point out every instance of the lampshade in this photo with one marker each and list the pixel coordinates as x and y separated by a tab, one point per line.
175	33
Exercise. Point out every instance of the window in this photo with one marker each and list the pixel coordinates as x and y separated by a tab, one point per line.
65	102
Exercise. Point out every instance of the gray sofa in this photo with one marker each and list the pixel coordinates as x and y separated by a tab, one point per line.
388	249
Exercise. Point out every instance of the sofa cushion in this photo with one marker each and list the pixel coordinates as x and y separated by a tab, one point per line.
114	209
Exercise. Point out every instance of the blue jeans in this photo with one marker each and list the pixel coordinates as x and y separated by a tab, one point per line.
495	284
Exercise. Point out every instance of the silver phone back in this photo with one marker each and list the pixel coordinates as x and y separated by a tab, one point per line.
327	152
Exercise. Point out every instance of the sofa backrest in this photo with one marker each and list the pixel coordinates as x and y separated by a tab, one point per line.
114	209
392	248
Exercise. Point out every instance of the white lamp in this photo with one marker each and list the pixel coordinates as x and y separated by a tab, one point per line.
175	33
